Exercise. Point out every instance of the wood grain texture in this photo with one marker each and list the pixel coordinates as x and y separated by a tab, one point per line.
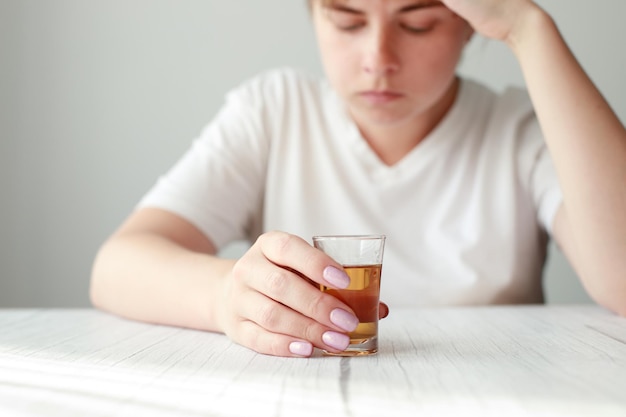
487	361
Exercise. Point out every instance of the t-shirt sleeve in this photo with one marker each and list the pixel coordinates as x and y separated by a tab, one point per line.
218	183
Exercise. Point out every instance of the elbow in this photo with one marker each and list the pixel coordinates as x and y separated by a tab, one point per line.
607	287
97	281
620	310
613	299
94	296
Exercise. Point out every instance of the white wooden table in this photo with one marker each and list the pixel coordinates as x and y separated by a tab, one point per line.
493	361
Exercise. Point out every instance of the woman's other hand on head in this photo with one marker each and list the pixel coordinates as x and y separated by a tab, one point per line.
496	19
270	305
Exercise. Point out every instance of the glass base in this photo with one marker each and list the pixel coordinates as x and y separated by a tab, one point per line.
363	348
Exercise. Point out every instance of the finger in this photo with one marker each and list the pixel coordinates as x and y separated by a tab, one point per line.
383	310
253	336
290	290
278	318
292	251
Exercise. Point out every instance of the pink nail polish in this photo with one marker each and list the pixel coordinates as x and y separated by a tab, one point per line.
301	348
336	277
336	340
343	319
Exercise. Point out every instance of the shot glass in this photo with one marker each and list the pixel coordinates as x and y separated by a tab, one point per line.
362	259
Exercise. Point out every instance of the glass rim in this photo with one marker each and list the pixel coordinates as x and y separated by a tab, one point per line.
349	237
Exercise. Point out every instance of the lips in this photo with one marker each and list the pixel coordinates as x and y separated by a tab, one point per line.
380	96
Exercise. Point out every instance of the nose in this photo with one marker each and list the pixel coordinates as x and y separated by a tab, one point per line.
380	57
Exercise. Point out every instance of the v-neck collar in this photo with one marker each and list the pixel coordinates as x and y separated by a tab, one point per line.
445	134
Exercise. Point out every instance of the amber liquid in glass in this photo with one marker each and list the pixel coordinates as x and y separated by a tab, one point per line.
362	296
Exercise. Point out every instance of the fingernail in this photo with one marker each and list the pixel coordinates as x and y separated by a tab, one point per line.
336	340
343	319
301	348
336	277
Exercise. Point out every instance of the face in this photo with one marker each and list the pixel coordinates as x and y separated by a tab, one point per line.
392	61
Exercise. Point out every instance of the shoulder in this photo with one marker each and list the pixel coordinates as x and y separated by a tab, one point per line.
508	113
512	102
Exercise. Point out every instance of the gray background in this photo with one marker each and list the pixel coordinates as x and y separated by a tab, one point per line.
98	98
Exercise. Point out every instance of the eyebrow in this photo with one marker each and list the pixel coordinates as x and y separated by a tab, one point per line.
345	9
405	9
420	5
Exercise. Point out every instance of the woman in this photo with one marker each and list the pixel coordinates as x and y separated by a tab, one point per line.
467	185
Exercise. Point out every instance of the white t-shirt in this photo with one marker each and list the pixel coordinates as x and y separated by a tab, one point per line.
466	213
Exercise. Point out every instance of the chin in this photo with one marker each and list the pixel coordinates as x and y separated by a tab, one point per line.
385	118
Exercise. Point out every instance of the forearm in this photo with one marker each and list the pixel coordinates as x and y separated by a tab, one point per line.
588	145
149	278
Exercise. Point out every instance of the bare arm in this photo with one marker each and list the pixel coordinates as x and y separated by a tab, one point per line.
585	138
160	268
588	144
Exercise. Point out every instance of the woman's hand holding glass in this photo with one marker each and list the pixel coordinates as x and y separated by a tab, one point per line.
268	304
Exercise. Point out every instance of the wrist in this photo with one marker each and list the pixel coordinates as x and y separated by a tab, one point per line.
212	291
529	27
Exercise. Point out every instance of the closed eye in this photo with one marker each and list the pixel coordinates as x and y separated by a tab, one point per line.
416	29
346	20
422	19
350	27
